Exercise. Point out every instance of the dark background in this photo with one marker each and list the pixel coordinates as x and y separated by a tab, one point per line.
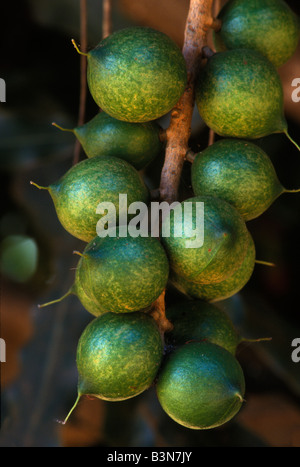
38	380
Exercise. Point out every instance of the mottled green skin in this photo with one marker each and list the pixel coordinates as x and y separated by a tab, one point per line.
89	303
239	172
215	292
123	274
197	320
137	74
118	356
99	179
137	143
268	26
239	94
201	385
225	242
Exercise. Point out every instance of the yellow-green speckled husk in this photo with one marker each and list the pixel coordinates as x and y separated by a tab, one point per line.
123	274
224	247
88	302
239	94
118	356
198	320
137	143
99	179
268	26
224	289
201	385
239	172
137	74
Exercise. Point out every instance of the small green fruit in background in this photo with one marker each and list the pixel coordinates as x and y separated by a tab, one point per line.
77	194
201	385
239	94
136	74
197	320
118	356
239	172
225	240
225	289
18	257
119	274
103	135
268	26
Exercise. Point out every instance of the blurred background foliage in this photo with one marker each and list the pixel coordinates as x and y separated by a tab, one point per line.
38	379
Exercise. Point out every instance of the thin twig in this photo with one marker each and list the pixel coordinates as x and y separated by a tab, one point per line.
211	137
106	18
216	9
83	78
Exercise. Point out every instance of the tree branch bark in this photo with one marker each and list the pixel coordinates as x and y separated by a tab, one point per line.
198	22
